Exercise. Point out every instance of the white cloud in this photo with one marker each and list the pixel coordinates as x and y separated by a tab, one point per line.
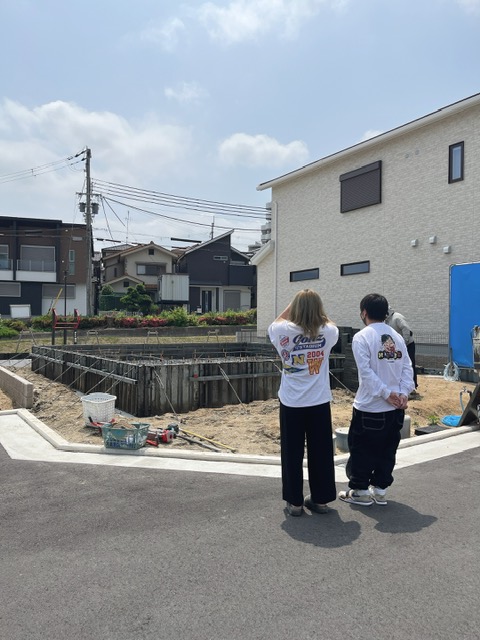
186	92
167	35
371	133
470	6
249	19
125	152
261	151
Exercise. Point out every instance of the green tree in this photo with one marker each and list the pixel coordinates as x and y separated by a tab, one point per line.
107	290
137	299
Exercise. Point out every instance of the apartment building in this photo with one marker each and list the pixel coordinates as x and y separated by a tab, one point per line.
42	263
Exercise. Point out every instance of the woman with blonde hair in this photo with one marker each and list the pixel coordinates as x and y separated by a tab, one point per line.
303	335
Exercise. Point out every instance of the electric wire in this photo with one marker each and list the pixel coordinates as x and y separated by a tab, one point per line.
166	199
49	167
189	222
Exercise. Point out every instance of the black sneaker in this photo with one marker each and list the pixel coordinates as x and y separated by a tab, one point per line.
294	510
314	506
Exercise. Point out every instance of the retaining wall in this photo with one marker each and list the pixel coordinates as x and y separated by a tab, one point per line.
20	391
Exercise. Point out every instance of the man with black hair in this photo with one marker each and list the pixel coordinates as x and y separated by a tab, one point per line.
385	382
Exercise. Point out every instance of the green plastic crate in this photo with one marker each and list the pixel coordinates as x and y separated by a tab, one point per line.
134	438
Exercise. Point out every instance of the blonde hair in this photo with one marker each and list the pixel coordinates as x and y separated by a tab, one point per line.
307	312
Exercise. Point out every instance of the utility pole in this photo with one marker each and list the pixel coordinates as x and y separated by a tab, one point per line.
88	220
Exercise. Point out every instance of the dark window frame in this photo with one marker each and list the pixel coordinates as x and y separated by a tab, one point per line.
52	291
361	187
151	268
451	163
352	272
315	276
16	287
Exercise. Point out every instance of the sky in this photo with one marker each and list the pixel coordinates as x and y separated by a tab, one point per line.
204	101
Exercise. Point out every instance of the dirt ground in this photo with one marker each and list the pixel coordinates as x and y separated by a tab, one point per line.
251	429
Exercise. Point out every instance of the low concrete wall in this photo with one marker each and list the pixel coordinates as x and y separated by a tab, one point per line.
20	391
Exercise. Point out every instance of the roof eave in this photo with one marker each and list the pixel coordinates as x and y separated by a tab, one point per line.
440	114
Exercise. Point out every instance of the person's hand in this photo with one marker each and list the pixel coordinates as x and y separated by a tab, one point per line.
395	400
404	400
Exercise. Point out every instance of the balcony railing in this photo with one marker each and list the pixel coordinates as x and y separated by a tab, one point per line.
5	264
45	266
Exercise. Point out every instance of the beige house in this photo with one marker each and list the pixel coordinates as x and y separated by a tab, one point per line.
137	265
388	215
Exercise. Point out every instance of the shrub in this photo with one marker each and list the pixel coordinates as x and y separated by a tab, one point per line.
227	318
16	325
92	322
42	323
7	332
126	322
153	321
137	299
179	317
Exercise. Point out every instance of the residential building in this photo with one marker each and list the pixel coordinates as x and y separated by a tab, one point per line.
221	277
388	215
43	263
142	264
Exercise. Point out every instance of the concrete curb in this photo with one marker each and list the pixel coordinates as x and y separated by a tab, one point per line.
63	445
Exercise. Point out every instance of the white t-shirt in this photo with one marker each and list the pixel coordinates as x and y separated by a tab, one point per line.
305	376
383	366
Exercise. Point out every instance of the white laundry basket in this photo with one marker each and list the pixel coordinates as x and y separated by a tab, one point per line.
98	407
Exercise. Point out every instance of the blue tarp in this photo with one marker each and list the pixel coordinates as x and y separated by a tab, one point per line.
464	311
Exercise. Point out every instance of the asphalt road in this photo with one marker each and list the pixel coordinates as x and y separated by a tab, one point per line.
97	552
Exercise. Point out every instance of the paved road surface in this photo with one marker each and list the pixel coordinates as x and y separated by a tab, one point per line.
94	551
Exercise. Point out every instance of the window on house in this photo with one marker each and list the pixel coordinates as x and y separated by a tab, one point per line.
151	269
52	291
232	300
355	267
4	261
115	272
305	274
361	188
221	258
151	252
71	262
455	162
37	258
10	289
126	283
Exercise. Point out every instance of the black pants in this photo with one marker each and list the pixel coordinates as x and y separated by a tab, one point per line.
411	354
313	424
373	440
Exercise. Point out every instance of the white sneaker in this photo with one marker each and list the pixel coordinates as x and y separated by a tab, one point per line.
379	495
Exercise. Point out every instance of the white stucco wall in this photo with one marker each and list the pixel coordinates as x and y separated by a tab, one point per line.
417	202
79	302
142	257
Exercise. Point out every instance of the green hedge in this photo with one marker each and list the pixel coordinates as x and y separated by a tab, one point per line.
177	317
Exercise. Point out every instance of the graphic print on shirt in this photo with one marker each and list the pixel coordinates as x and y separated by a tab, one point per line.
295	362
389	350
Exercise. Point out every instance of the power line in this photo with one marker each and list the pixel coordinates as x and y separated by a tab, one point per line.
168	200
161	215
57	165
